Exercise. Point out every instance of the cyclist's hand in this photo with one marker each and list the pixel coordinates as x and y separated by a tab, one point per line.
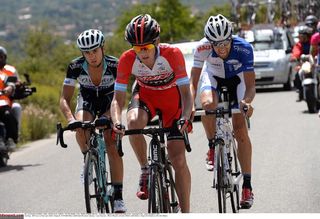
184	125
74	124
118	129
246	108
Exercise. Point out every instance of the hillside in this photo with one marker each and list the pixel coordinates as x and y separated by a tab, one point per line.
72	16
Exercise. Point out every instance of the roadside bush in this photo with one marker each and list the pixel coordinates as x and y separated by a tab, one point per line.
37	123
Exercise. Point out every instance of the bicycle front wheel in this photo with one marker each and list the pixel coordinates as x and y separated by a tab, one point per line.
93	198
171	199
221	174
236	176
156	196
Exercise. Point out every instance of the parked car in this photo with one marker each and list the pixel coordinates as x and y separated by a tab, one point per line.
272	49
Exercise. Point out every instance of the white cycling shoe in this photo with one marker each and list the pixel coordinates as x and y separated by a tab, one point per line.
119	206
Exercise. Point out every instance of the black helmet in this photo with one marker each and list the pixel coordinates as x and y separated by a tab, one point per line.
3	59
3	51
305	30
311	20
142	29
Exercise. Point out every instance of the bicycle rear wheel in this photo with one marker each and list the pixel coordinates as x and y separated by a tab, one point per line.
156	196
93	199
221	190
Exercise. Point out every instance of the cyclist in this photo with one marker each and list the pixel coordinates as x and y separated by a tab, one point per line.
301	47
160	73
96	73
229	62
10	112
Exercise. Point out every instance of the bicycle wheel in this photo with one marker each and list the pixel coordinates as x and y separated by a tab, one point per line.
221	190
171	200
235	175
93	199
155	203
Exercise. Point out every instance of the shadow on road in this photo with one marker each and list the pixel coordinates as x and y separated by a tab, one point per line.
17	167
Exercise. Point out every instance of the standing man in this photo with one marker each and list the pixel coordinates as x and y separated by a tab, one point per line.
96	74
160	72
229	62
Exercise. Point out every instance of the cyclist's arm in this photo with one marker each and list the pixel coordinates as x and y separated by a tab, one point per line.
186	101
194	79
65	100
117	105
249	79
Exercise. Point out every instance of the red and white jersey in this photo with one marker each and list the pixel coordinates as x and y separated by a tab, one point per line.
168	70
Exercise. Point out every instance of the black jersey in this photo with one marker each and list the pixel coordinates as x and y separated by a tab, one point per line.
78	71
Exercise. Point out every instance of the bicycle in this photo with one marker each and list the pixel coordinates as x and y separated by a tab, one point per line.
161	188
227	171
99	197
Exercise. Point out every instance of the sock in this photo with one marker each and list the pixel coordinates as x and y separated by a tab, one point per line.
145	169
210	143
117	191
247	181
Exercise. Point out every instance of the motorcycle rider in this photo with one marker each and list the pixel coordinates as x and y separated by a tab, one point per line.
7	88
301	47
16	107
315	50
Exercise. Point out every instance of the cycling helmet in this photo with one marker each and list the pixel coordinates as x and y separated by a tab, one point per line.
305	30
90	39
142	29
311	20
3	51
218	28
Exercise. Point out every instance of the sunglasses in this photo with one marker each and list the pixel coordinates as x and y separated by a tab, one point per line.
223	43
143	48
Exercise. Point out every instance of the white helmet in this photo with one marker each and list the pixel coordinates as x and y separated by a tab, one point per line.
218	28
90	39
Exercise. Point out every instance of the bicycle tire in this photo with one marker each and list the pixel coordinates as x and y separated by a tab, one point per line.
221	191
155	202
93	200
172	198
235	171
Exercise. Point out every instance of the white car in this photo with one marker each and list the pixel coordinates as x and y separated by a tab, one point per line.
272	49
187	49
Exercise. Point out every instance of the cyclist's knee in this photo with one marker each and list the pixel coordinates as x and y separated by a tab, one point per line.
209	105
241	134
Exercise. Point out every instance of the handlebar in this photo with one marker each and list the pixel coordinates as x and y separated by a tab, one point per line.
78	124
150	131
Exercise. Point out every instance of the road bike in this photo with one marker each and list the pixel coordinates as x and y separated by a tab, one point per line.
227	171
98	190
161	187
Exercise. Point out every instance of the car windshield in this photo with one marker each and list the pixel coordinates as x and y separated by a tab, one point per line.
265	39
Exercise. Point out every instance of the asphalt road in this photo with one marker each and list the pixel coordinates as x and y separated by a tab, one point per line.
44	178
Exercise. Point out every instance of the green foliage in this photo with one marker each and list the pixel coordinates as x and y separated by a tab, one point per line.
37	123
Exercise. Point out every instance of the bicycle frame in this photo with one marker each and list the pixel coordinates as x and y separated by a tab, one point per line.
160	169
97	150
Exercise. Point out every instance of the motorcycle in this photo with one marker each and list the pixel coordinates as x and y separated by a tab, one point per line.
22	91
309	82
